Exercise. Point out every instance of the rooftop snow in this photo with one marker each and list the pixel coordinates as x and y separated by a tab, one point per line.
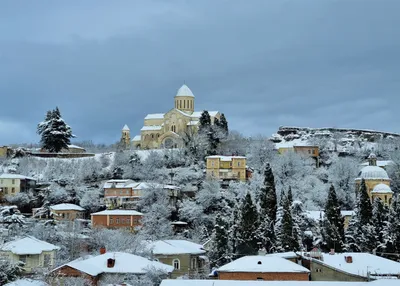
15	176
28	245
317	215
362	264
289	254
379	163
137	138
118	212
67	207
197	114
151	128
125	128
373	172
124	263
382	188
268	264
75	147
155	116
184	90
225	158
175	282
170	247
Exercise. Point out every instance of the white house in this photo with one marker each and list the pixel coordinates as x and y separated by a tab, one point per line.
33	252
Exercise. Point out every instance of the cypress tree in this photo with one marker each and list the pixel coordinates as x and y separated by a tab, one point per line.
224	124
204	121
333	214
219	252
287	240
247	232
365	207
268	200
290	195
380	221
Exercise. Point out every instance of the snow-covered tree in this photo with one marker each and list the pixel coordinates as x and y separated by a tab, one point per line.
286	239
268	200
10	271
55	133
219	252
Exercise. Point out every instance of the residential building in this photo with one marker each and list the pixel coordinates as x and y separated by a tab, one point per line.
12	184
167	282
109	263
226	168
259	267
4	151
126	193
304	149
186	257
376	180
351	267
128	219
163	130
33	252
67	212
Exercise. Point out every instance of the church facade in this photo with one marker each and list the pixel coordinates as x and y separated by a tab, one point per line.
164	130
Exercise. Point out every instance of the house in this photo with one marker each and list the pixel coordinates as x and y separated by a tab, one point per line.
351	267
33	252
12	184
290	255
376	180
226	168
167	282
163	130
4	151
67	212
129	219
259	267
109	263
303	149
74	149
317	215
126	193
186	257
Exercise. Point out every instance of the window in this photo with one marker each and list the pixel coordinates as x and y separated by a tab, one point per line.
193	263
111	220
176	263
13	190
385	199
117	221
313	151
184	104
318	270
67	215
212	163
6	190
120	192
47	260
122	221
152	136
1	181
13	181
260	278
128	221
23	258
238	164
309	151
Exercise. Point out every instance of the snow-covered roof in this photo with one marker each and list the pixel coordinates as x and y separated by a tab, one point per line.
317	215
225	158
197	114
184	90
289	254
66	207
155	116
75	147
125	128
28	245
151	128
362	263
118	212
182	282
382	188
176	246
27	282
15	176
262	264
118	184
379	163
373	173
124	263
137	138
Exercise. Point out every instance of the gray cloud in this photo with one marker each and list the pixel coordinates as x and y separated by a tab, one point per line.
262	63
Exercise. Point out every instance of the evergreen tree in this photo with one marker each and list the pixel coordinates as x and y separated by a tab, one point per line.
290	195
380	221
333	223
217	122
365	207
219	252
55	133
287	241
268	200
204	121
224	124
248	226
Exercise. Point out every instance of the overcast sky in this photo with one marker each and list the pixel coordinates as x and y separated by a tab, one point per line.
263	63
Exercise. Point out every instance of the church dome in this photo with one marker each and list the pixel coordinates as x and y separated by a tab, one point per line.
184	91
373	173
382	188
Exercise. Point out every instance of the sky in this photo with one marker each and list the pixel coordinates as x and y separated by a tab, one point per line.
264	64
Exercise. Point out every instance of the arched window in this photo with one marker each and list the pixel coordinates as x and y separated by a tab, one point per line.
177	264
152	136
184	103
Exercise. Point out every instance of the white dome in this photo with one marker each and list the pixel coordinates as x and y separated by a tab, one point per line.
373	172
382	188
184	91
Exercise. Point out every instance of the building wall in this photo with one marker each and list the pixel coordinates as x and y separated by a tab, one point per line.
67	271
32	261
370	184
68	215
235	169
185	264
116	221
3	151
312	151
270	276
10	186
320	272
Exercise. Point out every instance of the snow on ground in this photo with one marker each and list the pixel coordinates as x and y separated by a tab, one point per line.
27	282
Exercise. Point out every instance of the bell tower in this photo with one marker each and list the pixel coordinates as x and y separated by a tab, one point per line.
126	137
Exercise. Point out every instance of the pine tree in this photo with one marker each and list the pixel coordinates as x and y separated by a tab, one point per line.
248	226
219	252
333	223
204	121
290	195
286	239
380	221
268	200
365	207
55	133
224	124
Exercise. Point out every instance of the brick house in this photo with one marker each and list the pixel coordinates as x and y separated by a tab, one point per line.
186	257
94	268
129	219
68	212
33	252
263	268
175	282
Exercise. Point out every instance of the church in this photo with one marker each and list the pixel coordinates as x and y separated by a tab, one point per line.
163	130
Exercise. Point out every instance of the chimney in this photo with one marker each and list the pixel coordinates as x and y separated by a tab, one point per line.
102	250
110	263
332	252
349	259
